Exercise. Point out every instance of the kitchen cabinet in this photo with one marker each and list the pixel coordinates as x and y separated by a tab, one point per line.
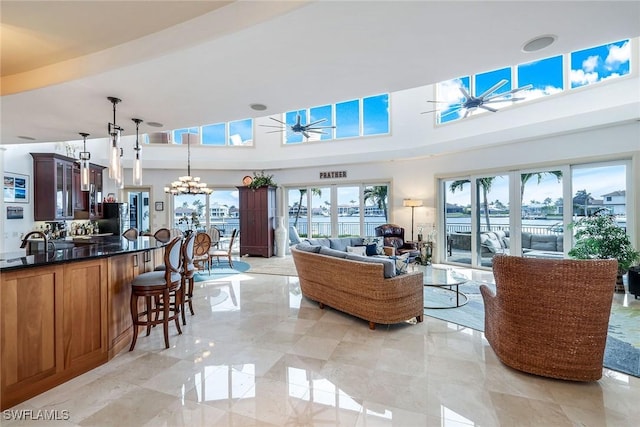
53	187
57	190
54	326
257	217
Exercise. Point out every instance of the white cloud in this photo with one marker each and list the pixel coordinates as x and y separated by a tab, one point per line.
582	78
618	55
590	63
449	91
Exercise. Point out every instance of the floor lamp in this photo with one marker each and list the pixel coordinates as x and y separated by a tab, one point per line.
411	203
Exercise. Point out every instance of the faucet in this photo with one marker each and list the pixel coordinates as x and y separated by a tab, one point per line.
25	241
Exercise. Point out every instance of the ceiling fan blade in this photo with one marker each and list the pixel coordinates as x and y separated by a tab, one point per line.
494	88
439	102
316	122
276	131
430	111
271	126
321	127
315	130
512	91
306	135
493	110
279	121
466	114
465	93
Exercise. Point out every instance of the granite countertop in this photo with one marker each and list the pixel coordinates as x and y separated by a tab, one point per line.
85	248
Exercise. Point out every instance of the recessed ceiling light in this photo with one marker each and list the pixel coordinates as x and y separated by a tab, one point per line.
28	138
538	43
258	107
155	124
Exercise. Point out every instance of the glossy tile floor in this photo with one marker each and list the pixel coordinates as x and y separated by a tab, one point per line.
259	354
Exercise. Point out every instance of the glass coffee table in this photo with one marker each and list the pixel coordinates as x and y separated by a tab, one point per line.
448	280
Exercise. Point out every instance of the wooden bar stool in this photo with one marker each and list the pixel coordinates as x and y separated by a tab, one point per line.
188	273
159	286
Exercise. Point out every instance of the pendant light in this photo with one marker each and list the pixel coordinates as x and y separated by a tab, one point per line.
188	184
85	156
114	154
120	179
137	166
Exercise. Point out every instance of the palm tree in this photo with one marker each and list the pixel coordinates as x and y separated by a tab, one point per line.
485	184
378	195
525	177
303	191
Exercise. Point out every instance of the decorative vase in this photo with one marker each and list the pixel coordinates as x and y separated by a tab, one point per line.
280	234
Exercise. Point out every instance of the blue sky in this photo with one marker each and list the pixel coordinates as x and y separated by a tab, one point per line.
585	67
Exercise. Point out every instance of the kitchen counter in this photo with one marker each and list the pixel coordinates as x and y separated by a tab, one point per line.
78	248
67	311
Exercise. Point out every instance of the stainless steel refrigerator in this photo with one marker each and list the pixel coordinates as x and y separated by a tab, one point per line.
115	218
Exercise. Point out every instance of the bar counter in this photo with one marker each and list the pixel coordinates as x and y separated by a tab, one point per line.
66	311
79	248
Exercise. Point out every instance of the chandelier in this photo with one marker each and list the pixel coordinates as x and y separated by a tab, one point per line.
188	184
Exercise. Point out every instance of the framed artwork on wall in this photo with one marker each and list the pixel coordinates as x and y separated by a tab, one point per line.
159	206
15	188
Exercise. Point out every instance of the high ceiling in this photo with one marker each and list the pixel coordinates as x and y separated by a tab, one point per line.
185	63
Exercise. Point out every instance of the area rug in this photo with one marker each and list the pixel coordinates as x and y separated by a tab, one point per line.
622	351
281	266
222	269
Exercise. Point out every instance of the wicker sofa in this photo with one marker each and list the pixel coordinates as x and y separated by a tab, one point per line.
357	285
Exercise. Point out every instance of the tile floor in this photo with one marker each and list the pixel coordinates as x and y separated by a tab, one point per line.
258	354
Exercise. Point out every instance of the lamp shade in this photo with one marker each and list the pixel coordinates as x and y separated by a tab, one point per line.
411	203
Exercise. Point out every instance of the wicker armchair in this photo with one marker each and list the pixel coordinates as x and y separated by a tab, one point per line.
550	317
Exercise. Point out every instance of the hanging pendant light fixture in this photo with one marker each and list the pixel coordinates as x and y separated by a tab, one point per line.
85	156
137	166
114	154
120	179
188	184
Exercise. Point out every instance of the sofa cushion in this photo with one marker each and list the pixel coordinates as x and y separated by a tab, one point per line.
360	250
544	242
320	241
389	264
401	262
324	250
308	247
341	243
294	238
492	242
377	240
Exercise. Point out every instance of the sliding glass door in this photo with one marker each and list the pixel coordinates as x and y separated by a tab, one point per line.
337	210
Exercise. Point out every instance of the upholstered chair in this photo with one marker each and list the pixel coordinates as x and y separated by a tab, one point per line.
162	294
394	237
550	317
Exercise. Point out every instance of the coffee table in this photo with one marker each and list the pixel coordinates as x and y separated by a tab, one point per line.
446	279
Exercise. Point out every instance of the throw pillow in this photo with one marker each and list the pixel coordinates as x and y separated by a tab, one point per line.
402	262
377	240
371	250
359	250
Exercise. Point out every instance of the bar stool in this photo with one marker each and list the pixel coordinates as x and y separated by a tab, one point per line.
188	273
159	286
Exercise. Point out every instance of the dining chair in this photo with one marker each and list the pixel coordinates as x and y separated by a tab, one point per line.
217	253
202	245
214	233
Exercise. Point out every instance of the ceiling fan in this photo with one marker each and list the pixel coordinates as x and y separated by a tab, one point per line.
471	103
298	127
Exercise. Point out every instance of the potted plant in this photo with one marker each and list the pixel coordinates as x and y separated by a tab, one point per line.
260	179
599	237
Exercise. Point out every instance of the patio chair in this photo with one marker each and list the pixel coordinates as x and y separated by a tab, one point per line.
550	317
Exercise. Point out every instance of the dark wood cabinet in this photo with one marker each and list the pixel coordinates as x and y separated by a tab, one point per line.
53	187
57	191
257	220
